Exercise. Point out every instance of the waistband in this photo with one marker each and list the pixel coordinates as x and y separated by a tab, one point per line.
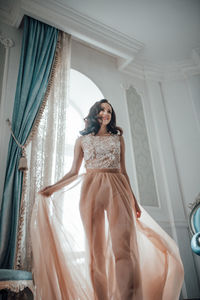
88	171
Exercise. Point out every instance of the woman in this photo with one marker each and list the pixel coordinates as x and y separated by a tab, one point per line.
127	254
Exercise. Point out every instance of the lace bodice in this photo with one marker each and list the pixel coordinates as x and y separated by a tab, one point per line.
101	151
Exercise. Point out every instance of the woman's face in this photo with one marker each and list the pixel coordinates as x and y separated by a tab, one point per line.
105	114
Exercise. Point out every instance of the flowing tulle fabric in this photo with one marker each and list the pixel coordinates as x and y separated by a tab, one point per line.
88	244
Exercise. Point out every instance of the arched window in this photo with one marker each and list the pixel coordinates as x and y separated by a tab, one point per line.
83	94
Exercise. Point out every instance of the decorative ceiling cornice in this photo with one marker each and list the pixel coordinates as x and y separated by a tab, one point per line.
81	27
144	69
124	48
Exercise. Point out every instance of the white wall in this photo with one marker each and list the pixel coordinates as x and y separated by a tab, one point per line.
182	99
193	84
172	115
161	95
182	102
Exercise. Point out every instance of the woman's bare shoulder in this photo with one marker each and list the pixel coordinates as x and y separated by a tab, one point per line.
78	141
121	138
79	138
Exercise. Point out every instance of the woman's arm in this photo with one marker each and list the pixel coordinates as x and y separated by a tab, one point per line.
123	170
78	157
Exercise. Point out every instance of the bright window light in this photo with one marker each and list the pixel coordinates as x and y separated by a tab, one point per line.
83	94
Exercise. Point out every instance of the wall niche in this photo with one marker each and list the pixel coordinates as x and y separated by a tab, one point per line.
140	144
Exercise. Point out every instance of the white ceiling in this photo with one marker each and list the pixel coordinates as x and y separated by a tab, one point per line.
170	29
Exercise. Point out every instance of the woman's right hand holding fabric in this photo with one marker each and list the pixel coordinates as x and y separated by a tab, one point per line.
47	191
78	157
138	210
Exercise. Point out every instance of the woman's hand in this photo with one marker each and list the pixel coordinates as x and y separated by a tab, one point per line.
138	210
47	191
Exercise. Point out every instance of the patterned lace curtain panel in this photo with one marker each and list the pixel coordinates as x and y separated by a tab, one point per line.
46	148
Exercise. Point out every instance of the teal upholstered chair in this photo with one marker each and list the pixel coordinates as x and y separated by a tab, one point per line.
16	281
194	225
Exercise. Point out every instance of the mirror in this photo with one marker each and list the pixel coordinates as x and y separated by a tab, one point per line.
194	225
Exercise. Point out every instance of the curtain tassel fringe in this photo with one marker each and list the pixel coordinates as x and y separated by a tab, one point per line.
23	165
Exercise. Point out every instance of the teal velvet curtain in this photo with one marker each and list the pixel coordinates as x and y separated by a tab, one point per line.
37	53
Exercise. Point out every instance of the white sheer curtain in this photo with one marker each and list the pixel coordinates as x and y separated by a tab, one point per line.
46	150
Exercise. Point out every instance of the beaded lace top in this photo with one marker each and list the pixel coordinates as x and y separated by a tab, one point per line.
101	151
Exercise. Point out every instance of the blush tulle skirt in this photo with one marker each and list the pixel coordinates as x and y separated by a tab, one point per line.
88	244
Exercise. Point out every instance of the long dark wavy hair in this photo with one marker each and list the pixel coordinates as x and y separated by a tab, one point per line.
92	124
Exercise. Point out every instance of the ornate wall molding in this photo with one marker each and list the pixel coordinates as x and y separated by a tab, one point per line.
6	44
6	41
